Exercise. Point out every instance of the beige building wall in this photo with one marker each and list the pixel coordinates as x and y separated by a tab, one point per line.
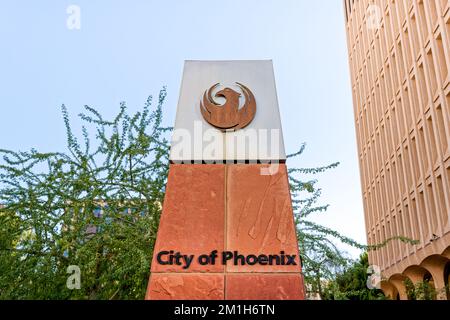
399	54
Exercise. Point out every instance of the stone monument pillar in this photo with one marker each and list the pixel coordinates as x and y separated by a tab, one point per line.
227	227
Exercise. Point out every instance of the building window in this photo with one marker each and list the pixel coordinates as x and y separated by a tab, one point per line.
415	99
384	100
441	195
408	47
407	163
408	229
379	200
383	143
401	12
407	109
401	61
433	214
432	140
401	122
447	28
433	12
395	25
383	194
416	233
432	73
444	6
402	186
422	213
443	69
423	152
443	136
386	249
398	228
414	36
423	87
389	187
380	253
391	247
395	74
415	157
395	182
395	127
423	21
388	29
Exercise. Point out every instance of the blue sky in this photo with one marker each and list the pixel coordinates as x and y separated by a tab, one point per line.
127	50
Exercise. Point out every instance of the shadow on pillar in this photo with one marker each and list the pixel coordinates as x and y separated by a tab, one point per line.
398	281
447	279
389	290
436	266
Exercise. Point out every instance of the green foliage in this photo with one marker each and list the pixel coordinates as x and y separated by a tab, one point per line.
351	284
98	204
424	290
48	202
321	258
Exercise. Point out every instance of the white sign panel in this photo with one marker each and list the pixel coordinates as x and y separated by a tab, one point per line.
227	111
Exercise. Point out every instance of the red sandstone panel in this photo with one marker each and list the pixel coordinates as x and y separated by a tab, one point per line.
185	287
259	216
193	218
264	287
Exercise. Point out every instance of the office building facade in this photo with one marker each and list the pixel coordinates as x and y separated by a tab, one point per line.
399	56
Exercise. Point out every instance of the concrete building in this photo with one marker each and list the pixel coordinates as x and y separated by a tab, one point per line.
399	54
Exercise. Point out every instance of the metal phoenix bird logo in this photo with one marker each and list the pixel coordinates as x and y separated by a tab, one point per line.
228	116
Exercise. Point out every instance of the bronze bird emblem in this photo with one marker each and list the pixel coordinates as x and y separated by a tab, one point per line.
228	116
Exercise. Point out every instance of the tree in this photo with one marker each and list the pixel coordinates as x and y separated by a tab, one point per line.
321	258
97	206
94	207
351	284
424	290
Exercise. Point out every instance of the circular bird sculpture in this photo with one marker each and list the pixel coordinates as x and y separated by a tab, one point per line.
228	116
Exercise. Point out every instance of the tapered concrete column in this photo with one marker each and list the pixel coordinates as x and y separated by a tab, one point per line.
389	290
227	228
229	208
415	274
